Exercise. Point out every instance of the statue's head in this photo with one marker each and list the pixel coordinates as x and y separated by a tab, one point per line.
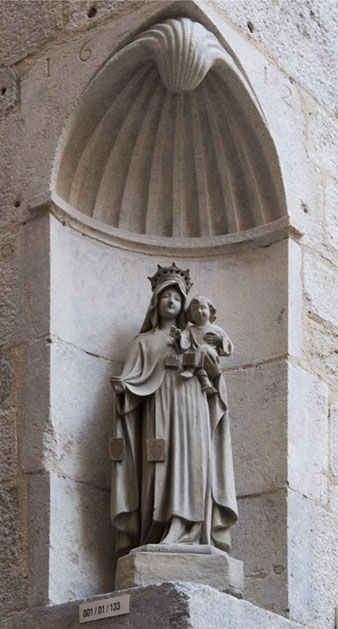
171	280
200	310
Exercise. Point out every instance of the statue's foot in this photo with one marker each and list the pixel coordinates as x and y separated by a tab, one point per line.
186	374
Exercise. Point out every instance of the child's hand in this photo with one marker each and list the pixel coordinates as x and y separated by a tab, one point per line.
175	333
212	338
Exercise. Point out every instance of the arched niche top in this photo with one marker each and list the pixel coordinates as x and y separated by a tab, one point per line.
169	141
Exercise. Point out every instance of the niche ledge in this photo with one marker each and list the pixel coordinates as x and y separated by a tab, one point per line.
260	236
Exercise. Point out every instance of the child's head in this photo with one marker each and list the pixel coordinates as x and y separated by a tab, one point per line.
200	310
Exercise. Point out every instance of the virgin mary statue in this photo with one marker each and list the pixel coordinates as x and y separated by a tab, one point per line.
175	482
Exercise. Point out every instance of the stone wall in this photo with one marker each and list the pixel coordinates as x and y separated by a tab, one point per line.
68	304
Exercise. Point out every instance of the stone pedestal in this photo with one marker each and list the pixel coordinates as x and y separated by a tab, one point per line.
155	563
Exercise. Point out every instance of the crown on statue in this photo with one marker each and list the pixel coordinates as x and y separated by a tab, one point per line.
173	273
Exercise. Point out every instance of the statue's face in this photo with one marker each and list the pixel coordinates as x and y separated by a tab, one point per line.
200	311
170	304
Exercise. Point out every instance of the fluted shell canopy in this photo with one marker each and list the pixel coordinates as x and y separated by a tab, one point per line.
169	140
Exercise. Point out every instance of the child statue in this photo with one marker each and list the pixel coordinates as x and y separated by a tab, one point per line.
206	342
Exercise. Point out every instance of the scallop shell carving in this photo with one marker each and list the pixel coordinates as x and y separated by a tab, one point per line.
184	52
169	141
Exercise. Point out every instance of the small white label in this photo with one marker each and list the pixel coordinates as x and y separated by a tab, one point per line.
104	608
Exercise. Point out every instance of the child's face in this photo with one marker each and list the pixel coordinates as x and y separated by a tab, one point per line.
200	312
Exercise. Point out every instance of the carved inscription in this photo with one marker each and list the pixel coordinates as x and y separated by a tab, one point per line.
85	52
288	95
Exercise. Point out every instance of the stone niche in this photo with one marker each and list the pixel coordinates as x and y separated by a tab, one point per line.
167	154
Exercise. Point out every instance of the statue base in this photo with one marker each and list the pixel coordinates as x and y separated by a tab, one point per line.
156	563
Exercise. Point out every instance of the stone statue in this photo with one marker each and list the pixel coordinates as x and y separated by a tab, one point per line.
173	480
207	340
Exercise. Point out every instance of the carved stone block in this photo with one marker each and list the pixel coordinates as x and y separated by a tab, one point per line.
194	564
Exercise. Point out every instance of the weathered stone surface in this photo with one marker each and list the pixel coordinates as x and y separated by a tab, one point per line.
257	403
8	443
24	278
26	31
307	214
33	296
7	90
39	539
260	541
334	498
307	432
299	36
169	605
295	310
220	571
323	139
12	591
81	544
6	377
38	435
8	283
331	212
334	439
82	413
11	128
321	280
81	13
320	349
313	562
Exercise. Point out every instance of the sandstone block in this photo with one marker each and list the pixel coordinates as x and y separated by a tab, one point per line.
307	432
38	435
323	138
295	331
12	591
39	540
257	403
298	37
7	90
81	541
334	439
179	605
83	13
8	443
26	31
313	562
81	417
321	288
25	277
8	283
320	344
334	498
260	541
331	212
143	567
6	377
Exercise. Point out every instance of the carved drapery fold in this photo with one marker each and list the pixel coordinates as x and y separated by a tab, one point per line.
169	140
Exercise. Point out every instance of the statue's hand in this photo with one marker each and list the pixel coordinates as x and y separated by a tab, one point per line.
175	332
212	338
117	384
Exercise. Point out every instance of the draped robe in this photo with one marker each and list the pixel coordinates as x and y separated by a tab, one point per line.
195	483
